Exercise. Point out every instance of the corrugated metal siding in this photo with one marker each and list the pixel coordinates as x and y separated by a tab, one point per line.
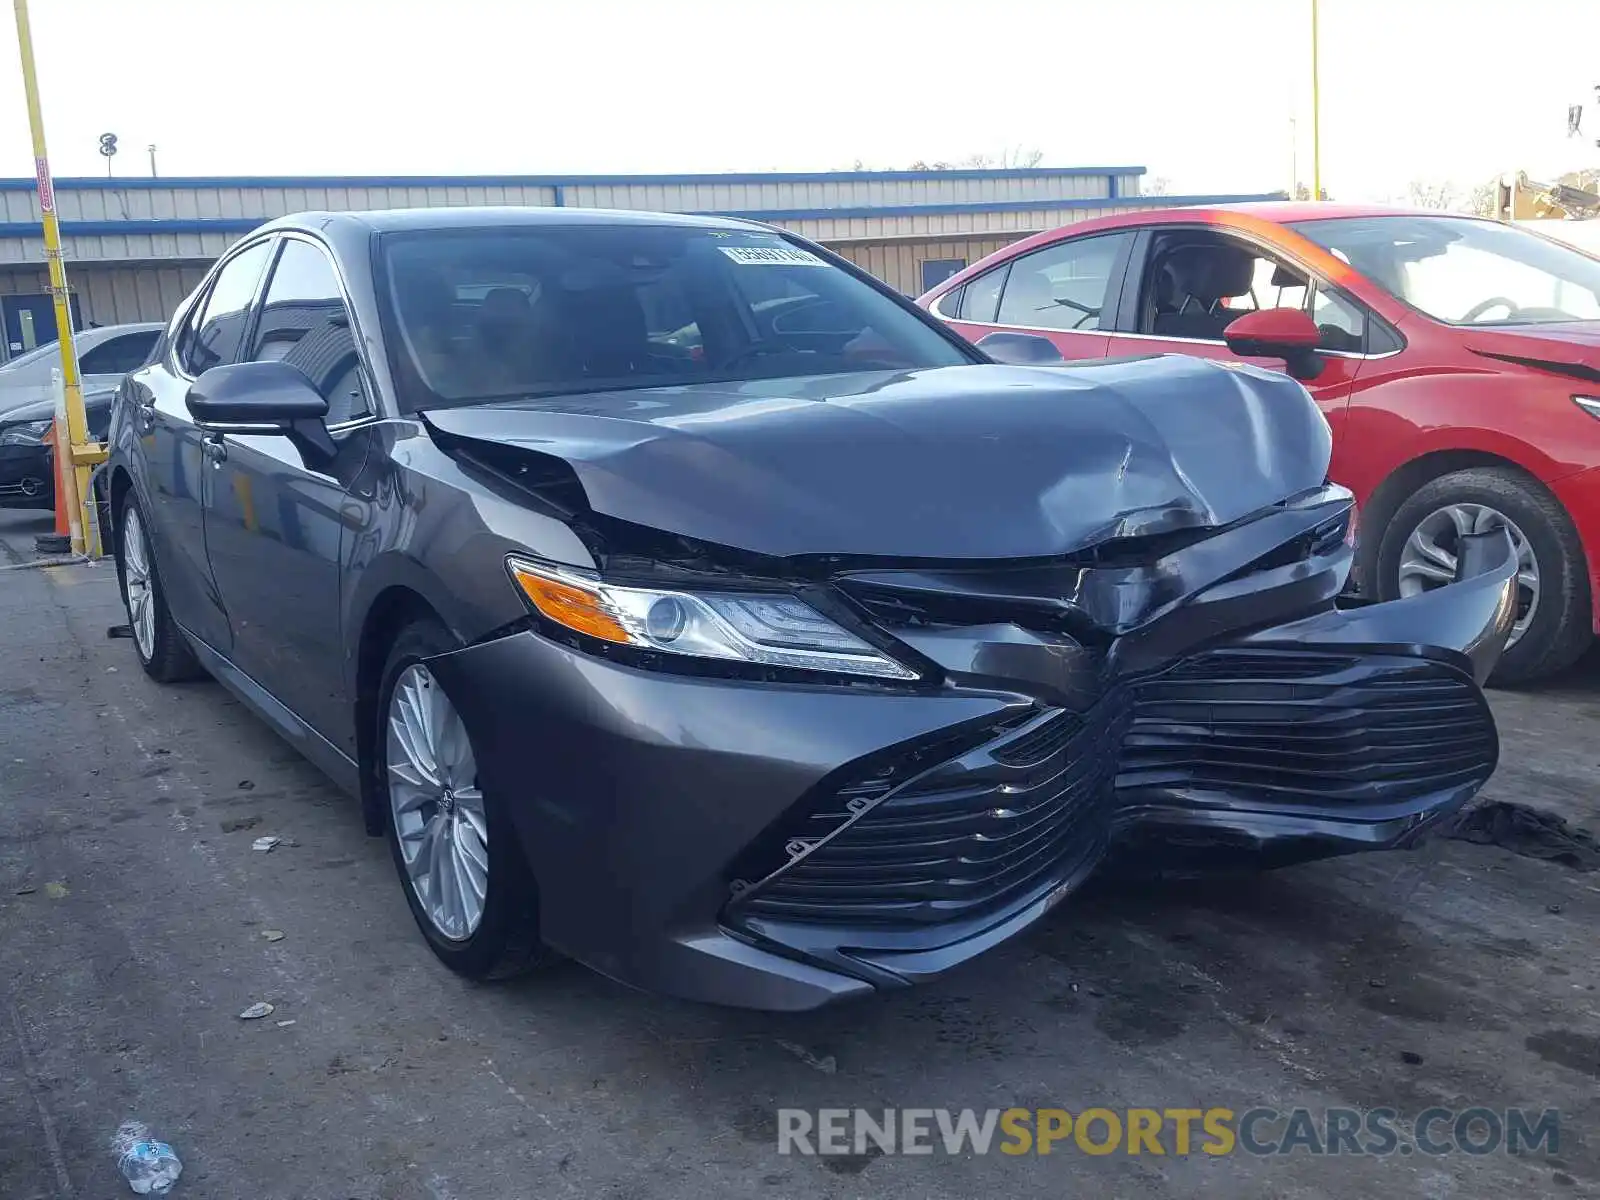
925	225
190	203
899	264
113	295
744	196
156	203
120	247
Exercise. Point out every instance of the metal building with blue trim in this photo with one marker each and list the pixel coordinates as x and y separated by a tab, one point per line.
136	247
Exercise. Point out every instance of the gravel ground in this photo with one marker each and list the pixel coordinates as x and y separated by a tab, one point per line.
132	922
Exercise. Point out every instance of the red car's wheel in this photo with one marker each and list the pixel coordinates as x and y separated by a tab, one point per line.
1418	553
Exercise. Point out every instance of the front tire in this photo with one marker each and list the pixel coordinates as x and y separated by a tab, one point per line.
452	841
159	643
1554	618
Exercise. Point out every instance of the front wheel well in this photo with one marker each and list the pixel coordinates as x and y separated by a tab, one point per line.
394	609
121	481
1385	499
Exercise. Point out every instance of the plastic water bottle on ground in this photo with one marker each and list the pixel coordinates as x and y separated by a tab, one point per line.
149	1166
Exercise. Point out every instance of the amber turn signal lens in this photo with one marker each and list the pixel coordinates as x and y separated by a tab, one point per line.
570	605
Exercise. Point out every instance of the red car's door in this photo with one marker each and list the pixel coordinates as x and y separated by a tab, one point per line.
1191	283
1063	291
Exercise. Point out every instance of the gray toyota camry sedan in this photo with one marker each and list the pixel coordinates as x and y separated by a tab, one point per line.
677	598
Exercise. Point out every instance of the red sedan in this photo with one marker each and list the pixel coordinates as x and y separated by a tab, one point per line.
1457	361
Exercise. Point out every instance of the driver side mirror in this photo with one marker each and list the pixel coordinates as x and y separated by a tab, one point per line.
1285	333
1021	349
263	397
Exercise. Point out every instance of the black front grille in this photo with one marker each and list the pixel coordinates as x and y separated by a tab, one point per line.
1306	727
965	839
977	824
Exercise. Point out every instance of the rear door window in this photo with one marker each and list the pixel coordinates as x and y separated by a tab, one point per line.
980	299
1064	286
215	329
118	355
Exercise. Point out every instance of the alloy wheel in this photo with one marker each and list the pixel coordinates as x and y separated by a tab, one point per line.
138	584
1429	558
439	818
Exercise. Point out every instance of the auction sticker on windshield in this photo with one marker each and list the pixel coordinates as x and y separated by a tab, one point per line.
772	256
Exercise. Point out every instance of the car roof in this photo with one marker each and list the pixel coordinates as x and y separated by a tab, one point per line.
1240	216
1276	212
492	216
125	327
1286	211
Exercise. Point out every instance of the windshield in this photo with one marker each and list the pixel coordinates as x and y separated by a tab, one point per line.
1465	271
494	312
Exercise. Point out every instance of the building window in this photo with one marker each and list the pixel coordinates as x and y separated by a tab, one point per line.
936	270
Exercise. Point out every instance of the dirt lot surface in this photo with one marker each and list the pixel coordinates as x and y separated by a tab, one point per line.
133	909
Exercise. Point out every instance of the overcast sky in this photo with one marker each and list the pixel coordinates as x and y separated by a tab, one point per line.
1199	91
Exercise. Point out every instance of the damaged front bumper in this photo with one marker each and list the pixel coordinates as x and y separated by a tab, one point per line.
786	845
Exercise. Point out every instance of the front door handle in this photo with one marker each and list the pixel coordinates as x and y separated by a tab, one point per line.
214	448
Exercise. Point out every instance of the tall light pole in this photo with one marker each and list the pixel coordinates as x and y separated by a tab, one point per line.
1294	159
77	449
1316	112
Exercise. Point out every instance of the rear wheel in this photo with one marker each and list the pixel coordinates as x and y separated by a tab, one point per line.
1422	541
452	842
157	640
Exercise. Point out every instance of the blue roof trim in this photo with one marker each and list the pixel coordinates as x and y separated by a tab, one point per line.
97	184
21	229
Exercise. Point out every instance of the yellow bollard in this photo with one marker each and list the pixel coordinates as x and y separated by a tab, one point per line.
78	451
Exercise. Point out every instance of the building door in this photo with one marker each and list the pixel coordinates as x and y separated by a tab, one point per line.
31	321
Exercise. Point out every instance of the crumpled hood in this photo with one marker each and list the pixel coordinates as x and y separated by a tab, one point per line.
971	462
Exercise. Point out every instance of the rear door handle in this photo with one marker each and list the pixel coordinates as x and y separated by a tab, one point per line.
214	448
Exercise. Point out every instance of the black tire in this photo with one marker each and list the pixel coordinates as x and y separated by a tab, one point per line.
169	658
1561	629
506	942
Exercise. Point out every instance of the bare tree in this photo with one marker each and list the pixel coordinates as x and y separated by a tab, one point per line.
1161	185
1005	158
1432	193
1482	199
1008	156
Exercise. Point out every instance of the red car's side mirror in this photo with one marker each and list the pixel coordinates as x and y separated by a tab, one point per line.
1285	333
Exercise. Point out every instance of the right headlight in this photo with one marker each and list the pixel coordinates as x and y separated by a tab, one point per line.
27	433
770	628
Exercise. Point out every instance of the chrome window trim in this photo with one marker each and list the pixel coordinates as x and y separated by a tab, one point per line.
1156	337
994	326
273	431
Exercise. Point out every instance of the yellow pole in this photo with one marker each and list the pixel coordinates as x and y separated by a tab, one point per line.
1316	111
81	454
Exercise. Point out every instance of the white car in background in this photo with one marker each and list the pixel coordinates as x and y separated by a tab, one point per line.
105	354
